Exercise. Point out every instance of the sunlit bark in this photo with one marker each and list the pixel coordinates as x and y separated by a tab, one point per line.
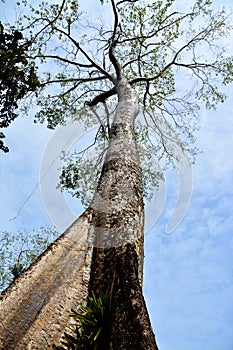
118	216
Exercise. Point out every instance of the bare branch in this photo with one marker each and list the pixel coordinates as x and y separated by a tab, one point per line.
114	61
104	72
116	19
124	1
113	43
108	117
99	120
65	60
91	145
70	80
102	97
146	92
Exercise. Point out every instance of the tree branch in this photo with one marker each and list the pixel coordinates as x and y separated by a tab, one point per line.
123	1
99	68
102	97
173	61
107	116
65	60
52	21
70	80
113	43
99	120
116	19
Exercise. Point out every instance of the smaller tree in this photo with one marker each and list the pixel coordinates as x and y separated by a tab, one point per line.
17	76
19	250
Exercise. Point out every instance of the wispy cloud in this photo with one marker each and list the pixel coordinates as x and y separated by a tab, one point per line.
189	274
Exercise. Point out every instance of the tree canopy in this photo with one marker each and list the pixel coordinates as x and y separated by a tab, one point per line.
174	58
17	75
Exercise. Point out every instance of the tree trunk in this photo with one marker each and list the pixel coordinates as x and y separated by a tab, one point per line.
118	216
34	310
102	249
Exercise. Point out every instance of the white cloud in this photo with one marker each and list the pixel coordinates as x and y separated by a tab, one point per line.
189	274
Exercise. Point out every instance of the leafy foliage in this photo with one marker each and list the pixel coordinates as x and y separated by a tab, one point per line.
81	170
18	251
174	58
17	75
88	329
80	174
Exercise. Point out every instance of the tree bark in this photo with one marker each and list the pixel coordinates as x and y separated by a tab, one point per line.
34	310
118	216
102	249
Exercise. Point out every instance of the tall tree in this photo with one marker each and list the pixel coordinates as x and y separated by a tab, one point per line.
153	59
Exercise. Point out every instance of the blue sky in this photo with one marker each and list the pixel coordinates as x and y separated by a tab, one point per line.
190	271
188	275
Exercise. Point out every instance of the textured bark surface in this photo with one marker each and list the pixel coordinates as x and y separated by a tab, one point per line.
103	248
34	310
118	254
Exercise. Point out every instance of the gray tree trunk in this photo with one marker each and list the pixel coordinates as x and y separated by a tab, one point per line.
103	248
118	217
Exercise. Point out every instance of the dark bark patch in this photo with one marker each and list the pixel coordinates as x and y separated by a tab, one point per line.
116	270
